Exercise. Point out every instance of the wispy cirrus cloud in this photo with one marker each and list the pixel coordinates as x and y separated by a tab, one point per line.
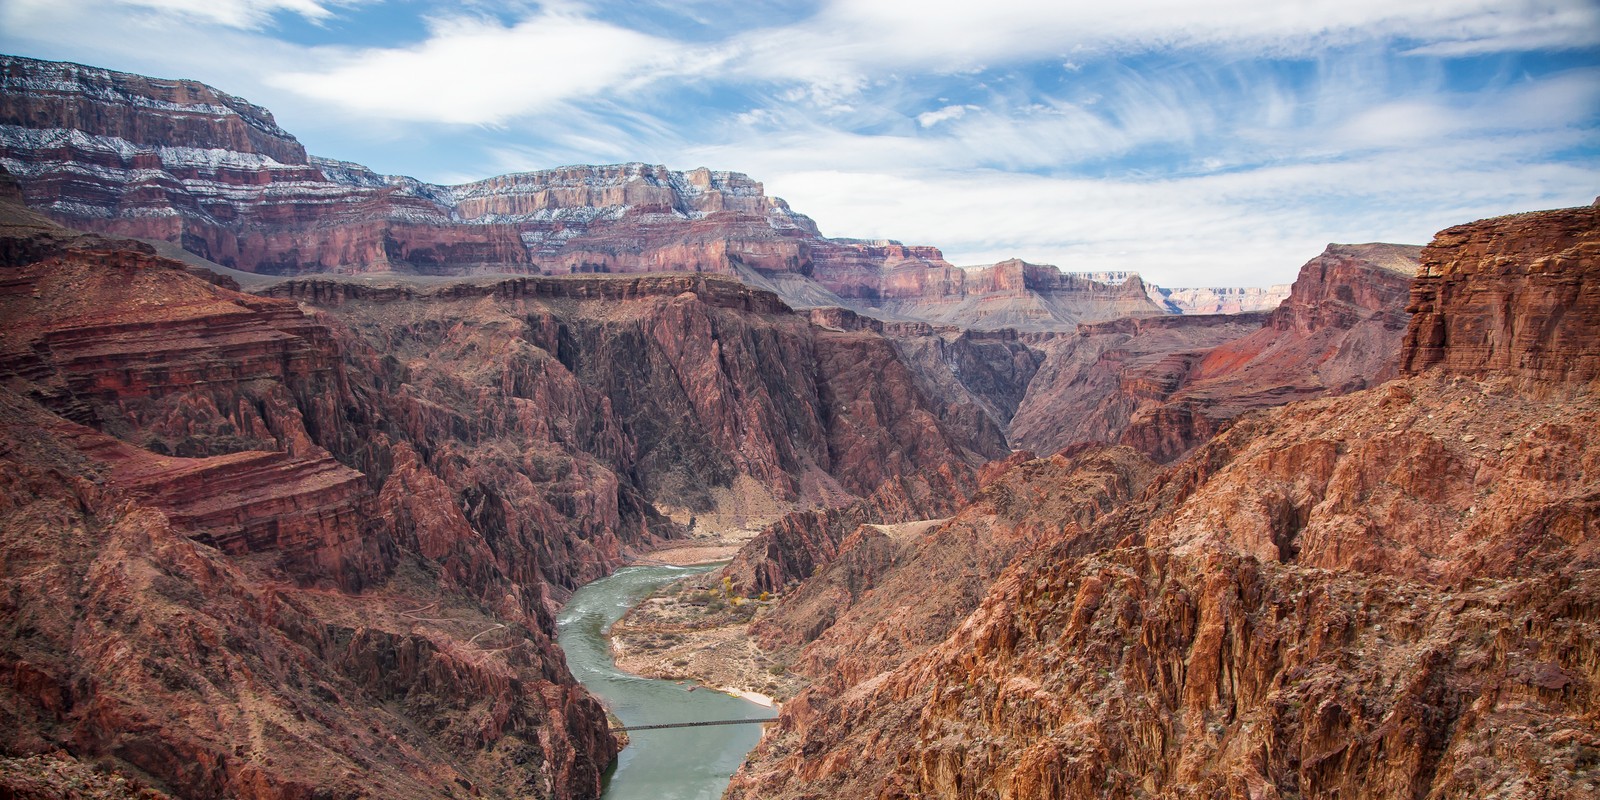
477	70
1191	141
236	13
847	37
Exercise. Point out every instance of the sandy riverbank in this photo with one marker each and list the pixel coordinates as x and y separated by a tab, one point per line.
683	633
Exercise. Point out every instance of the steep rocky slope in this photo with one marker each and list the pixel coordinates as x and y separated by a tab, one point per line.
182	162
1091	384
198	594
1338	331
1161	384
1387	594
893	591
270	546
698	385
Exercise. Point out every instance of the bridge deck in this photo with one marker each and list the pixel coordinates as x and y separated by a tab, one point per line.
692	724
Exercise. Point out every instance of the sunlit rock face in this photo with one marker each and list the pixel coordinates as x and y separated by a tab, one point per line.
1483	306
1219	299
1389	593
1338	331
183	162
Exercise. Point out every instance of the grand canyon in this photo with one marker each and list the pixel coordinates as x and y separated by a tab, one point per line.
300	463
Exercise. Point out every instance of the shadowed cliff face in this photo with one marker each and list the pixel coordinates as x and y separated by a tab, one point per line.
1390	593
700	380
221	579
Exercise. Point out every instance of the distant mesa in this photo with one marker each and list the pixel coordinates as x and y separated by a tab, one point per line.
182	162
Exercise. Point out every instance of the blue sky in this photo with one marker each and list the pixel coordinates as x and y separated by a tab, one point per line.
1219	143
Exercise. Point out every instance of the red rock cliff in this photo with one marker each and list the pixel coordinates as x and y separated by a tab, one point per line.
1481	307
185	163
1391	593
202	597
1338	331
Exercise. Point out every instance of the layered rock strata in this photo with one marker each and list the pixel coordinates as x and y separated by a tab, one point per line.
693	382
1161	384
1390	593
201	597
893	591
182	162
1092	383
1481	308
1339	331
412	475
1219	299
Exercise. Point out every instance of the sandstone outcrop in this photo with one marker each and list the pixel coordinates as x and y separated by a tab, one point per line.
1481	308
1161	384
1012	295
349	507
892	591
204	589
1390	593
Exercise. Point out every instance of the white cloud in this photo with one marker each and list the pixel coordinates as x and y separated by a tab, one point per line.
479	71
235	13
1250	168
929	119
850	38
1252	228
1353	168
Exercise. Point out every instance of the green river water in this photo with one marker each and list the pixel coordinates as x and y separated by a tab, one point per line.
675	764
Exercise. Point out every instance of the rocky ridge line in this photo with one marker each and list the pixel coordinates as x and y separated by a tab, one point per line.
1389	593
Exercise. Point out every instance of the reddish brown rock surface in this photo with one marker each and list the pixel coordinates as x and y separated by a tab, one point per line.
691	381
1091	383
200	596
1338	331
1387	594
1011	294
1162	384
893	591
275	546
181	162
1483	309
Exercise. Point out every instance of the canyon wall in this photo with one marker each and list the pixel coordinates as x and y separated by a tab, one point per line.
1390	593
312	540
182	162
1218	300
222	580
1481	308
1339	331
1160	384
